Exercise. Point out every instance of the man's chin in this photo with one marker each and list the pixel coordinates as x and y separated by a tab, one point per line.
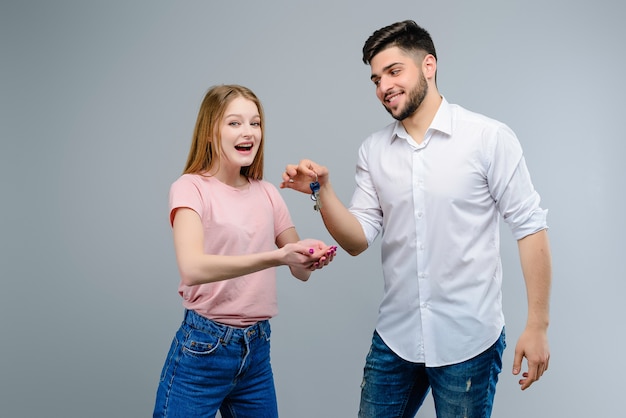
397	114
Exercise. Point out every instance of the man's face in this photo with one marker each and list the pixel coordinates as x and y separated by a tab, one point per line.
400	84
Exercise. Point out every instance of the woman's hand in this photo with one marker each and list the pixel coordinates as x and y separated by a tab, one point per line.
307	255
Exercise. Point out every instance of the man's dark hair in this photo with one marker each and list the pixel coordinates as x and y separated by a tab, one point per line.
406	35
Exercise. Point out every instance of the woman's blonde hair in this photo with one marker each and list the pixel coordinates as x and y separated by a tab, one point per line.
206	145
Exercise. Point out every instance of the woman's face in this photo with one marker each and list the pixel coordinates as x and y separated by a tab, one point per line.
241	133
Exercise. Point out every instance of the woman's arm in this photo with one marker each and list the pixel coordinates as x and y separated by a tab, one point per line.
196	267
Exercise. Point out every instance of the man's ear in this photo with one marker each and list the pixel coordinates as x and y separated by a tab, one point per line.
429	66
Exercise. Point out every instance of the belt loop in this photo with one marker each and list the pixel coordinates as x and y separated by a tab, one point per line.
227	335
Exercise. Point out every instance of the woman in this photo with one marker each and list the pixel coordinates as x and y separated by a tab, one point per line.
231	229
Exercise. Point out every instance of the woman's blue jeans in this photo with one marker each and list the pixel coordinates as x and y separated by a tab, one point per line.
211	367
395	388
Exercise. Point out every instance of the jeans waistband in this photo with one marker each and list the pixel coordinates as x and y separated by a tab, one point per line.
226	332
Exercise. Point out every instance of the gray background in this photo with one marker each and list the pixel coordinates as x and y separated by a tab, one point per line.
97	106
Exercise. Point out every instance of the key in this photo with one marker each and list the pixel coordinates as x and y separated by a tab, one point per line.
315	194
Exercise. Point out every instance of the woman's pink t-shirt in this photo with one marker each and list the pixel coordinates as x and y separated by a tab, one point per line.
235	222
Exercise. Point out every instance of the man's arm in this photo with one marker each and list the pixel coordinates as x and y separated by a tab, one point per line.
340	223
536	264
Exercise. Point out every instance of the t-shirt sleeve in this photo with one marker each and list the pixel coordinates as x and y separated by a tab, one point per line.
185	193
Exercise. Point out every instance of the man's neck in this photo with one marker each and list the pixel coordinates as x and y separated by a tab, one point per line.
417	124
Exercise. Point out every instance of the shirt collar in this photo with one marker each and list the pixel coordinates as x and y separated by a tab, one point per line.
442	122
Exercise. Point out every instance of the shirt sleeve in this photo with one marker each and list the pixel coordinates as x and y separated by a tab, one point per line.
511	187
185	193
365	205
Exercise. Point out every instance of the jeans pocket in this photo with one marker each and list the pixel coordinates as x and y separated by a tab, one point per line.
200	344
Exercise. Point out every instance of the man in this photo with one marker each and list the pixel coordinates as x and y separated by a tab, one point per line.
436	182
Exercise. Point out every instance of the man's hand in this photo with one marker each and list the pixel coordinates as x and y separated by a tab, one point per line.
299	177
533	345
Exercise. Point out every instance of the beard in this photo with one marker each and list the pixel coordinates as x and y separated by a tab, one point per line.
414	100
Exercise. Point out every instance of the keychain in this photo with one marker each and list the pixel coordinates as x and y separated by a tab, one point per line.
315	194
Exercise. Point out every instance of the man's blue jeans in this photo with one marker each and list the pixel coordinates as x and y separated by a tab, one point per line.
395	388
212	366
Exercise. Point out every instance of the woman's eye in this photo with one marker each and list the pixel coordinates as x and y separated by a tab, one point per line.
233	123
256	124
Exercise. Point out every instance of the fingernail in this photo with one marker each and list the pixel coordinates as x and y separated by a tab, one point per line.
311	250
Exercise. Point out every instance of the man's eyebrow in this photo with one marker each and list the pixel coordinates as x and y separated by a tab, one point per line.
385	69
